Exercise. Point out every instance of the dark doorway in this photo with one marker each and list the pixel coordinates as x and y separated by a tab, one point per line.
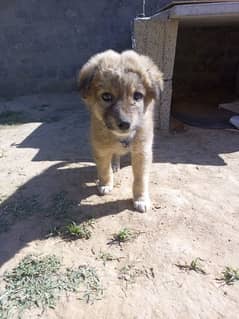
205	74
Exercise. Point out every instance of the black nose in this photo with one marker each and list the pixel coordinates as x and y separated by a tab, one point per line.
123	125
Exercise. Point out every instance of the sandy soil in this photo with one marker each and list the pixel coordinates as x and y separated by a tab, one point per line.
195	213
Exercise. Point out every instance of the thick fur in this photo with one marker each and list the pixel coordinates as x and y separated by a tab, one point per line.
120	91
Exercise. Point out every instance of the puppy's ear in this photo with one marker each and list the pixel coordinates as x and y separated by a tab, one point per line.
96	63
157	82
155	76
85	77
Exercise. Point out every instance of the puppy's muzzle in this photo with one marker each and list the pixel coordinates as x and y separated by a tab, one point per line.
123	125
117	120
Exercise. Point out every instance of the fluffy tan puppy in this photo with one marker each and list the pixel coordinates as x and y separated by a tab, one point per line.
120	91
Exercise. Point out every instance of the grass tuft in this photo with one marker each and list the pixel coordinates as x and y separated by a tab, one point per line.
92	286
37	282
73	231
193	266
229	276
33	283
124	235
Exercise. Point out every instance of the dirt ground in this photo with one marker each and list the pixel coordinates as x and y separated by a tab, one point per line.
195	213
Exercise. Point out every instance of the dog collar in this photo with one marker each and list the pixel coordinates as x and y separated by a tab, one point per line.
126	142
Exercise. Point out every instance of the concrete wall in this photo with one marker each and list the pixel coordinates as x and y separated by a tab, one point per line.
44	42
154	6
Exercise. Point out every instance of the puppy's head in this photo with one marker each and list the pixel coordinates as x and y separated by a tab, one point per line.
118	88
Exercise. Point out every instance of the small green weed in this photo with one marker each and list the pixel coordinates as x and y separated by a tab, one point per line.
229	276
93	289
39	282
73	231
124	235
79	231
194	265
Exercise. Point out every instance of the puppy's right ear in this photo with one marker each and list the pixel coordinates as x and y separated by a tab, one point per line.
85	77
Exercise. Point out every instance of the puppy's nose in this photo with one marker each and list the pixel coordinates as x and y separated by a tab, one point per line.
124	125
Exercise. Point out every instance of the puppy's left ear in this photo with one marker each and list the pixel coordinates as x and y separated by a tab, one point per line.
157	80
85	77
154	76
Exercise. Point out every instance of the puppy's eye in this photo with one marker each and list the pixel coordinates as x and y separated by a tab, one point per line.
107	97
138	96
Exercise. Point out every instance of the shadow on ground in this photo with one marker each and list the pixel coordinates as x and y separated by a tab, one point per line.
196	146
52	199
60	193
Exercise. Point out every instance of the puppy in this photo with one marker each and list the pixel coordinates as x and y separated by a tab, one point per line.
120	91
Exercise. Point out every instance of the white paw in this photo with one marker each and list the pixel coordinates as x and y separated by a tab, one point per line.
104	189
142	204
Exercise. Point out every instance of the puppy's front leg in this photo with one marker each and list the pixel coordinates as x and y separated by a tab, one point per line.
141	163
105	173
116	163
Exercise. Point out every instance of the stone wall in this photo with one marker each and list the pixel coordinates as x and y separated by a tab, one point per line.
43	43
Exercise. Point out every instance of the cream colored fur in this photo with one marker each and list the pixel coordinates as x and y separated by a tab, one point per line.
120	90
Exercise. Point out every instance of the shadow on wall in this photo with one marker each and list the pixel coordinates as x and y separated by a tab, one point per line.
60	193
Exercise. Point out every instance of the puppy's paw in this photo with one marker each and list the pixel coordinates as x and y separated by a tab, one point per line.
104	189
142	204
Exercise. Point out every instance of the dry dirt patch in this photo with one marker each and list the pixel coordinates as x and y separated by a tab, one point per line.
47	184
